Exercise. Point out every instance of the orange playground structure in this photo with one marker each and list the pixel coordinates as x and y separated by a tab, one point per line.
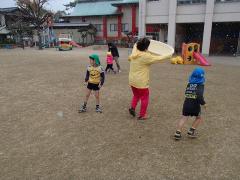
190	55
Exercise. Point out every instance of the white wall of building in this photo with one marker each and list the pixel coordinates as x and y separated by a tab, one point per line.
127	16
111	20
226	12
88	20
157	12
190	13
160	12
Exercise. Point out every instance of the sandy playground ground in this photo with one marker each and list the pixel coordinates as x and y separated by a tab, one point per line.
42	136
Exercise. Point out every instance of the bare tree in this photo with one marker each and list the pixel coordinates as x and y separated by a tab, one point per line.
33	11
92	31
83	32
87	30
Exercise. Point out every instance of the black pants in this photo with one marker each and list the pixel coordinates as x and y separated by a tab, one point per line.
109	66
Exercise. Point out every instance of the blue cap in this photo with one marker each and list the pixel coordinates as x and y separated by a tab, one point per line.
197	76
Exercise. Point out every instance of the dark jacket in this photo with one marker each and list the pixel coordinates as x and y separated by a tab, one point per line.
193	99
113	49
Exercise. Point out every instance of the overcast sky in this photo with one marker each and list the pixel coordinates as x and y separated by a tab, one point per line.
53	4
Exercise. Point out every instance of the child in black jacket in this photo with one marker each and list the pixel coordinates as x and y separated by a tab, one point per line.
113	49
193	99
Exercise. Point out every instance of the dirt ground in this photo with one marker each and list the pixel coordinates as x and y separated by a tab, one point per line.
42	136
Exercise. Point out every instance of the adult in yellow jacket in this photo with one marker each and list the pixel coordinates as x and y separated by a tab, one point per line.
140	61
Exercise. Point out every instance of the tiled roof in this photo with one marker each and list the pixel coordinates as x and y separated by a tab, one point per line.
94	9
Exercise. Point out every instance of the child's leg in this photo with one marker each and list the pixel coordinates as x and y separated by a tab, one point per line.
117	63
191	131
83	108
135	98
98	109
96	93
107	68
111	67
87	96
197	121
144	101
181	123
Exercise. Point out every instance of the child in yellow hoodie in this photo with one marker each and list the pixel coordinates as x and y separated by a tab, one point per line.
140	61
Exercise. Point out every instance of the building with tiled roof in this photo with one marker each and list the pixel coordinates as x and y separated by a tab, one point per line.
112	19
214	24
4	14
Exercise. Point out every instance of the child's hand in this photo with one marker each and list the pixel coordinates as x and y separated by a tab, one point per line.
85	83
205	106
99	85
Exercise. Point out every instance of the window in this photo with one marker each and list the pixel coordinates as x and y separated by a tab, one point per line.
181	2
125	27
113	27
83	19
98	27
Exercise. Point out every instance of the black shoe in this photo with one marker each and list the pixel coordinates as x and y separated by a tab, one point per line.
98	109
177	135
82	109
132	112
192	133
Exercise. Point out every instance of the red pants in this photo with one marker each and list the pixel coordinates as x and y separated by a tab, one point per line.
143	95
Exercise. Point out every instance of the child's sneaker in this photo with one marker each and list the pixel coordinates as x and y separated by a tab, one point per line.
143	117
177	135
82	109
192	133
98	109
132	112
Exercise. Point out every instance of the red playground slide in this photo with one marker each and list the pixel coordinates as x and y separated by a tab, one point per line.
75	44
201	59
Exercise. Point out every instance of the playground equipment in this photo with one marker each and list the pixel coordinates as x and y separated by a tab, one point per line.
191	54
73	43
64	44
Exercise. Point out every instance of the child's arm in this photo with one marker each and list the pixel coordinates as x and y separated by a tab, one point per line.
87	76
152	58
102	77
